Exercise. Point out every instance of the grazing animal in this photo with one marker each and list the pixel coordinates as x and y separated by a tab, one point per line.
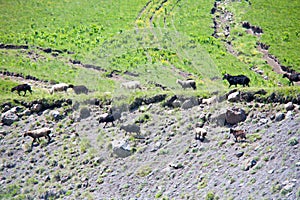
131	128
131	85
238	134
79	89
200	134
235	80
187	84
38	133
292	78
59	88
106	118
22	87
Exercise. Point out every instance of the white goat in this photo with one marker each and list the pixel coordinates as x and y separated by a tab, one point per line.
131	85
200	133
187	84
59	87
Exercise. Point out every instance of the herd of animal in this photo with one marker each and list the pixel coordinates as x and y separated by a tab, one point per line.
200	133
81	89
78	89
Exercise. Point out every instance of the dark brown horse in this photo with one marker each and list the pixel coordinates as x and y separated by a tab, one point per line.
22	87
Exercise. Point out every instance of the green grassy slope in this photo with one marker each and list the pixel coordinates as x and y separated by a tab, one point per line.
280	21
159	40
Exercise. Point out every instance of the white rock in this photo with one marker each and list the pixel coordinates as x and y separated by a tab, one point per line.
234	97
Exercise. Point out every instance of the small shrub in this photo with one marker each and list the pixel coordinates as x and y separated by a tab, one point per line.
144	171
253	180
211	196
202	184
266	158
293	141
100	180
84	144
68	193
254	137
158	195
11	191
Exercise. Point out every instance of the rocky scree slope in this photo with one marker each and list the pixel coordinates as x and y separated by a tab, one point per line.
163	160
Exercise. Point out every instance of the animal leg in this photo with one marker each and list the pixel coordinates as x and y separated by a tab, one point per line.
49	138
24	93
105	124
33	141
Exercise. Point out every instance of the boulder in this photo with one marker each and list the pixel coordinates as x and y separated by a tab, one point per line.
218	117
289	106
189	103
211	100
16	109
279	116
169	101
84	113
248	164
9	117
55	115
6	108
131	128
26	112
2	133
235	115
234	97
121	148
289	114
176	104
36	107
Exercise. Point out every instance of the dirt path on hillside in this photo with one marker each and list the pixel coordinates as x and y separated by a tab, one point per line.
38	84
222	23
275	65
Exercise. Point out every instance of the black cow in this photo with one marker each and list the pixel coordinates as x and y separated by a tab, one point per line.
79	89
22	87
106	118
292	77
235	80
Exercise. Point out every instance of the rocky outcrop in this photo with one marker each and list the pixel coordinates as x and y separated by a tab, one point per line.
121	148
235	115
9	117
